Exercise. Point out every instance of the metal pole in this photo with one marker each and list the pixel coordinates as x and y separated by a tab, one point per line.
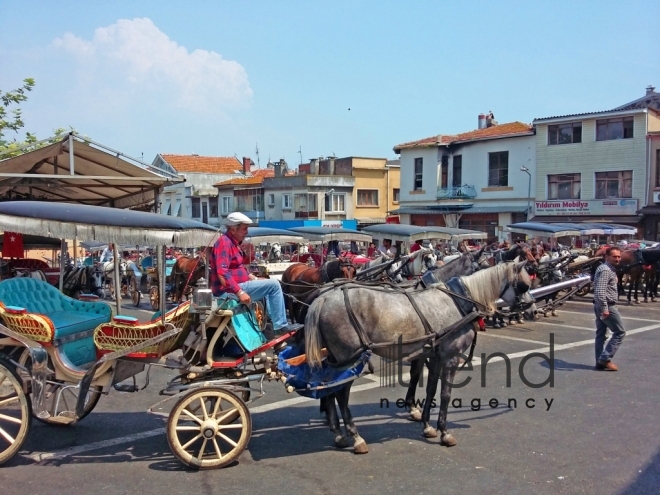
161	281
117	280
62	250
75	251
529	194
71	160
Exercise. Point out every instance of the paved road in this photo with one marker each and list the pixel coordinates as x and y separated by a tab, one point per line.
592	432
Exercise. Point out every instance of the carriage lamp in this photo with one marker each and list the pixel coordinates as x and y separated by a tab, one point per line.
202	297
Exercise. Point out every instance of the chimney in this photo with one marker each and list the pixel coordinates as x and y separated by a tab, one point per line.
246	165
331	170
314	166
277	166
490	119
650	90
482	121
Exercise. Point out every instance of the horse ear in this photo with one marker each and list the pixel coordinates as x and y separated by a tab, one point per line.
517	259
520	266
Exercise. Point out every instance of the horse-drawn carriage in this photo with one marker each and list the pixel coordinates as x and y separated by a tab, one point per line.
59	355
263	250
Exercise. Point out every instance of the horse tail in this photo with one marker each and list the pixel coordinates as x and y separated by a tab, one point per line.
313	341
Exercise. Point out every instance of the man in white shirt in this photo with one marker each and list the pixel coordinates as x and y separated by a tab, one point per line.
387	249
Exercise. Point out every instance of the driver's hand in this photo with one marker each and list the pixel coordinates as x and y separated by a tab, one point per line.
244	298
252	277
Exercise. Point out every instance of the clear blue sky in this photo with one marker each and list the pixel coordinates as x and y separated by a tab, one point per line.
215	78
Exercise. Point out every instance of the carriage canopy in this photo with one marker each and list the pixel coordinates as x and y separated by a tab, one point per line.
267	235
99	223
327	234
570	229
406	233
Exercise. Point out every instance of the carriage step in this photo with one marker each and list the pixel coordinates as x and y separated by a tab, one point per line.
119	387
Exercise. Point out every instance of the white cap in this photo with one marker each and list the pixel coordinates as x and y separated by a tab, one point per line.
237	218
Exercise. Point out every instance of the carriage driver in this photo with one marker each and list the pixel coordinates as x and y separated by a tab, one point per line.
228	274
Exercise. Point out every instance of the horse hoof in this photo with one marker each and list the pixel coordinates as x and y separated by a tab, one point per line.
554	313
448	440
341	442
512	323
637	302
646	300
503	323
545	315
496	326
430	432
360	447
415	415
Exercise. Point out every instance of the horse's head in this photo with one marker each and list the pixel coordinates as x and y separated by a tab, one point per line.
95	280
347	268
525	252
430	261
514	290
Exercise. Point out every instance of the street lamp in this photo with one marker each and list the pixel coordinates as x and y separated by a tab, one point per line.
529	188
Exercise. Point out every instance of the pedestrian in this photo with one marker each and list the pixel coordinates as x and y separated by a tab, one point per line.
607	314
228	274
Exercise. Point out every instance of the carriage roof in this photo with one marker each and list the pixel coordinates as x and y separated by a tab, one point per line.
37	242
563	229
326	234
414	232
99	223
268	235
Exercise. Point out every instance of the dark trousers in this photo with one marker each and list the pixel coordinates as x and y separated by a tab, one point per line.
605	352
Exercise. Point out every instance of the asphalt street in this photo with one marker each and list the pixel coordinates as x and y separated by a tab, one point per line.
586	432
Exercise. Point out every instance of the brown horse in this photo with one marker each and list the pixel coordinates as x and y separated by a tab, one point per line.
640	266
185	274
301	282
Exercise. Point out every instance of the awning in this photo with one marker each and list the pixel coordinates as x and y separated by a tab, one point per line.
326	234
544	229
452	210
91	174
37	242
365	221
97	223
405	233
268	235
590	219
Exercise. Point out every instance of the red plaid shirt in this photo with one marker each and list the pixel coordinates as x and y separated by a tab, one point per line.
226	267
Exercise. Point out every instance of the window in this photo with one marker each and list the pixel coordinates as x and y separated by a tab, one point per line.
609	129
457	172
271	200
498	169
335	203
564	186
214	210
226	205
565	133
367	197
196	209
396	193
286	201
614	184
169	209
444	171
419	171
257	203
657	168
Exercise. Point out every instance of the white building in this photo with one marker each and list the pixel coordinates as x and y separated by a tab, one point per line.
197	198
471	180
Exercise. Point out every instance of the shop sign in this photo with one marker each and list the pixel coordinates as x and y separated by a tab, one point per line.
595	207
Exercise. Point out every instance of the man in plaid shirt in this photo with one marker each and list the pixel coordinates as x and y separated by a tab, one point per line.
607	315
228	274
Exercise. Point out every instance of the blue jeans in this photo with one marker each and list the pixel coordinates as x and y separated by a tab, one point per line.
271	290
606	352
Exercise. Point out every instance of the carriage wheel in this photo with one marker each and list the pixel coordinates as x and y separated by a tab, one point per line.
209	428
584	291
134	290
61	397
154	298
262	315
15	412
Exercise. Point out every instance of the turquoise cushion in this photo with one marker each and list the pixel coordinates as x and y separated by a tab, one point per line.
147	262
68	322
245	325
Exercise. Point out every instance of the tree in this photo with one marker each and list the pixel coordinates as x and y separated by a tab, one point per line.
11	120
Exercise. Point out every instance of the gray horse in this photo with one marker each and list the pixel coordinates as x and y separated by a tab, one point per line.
385	315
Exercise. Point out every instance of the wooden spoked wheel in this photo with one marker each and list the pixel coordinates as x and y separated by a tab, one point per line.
262	315
584	291
154	298
209	428
61	397
15	412
134	292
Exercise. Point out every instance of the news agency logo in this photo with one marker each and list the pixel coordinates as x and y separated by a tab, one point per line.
392	367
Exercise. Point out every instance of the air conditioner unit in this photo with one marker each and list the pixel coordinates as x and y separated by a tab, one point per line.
656	197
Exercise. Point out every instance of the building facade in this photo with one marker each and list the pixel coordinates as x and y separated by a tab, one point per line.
479	180
598	167
196	198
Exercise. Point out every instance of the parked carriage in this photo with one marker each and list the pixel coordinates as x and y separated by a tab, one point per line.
58	356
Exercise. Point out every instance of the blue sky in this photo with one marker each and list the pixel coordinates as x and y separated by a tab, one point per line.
216	78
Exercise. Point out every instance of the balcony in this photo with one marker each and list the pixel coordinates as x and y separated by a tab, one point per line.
457	192
307	214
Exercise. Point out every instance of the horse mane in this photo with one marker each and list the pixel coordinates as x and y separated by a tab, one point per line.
484	286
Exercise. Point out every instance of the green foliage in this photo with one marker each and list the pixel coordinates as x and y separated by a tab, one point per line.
11	120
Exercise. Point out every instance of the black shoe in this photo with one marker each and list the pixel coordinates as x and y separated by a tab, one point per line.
293	327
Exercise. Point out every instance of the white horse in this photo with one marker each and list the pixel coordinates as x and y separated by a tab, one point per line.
108	273
275	253
27	273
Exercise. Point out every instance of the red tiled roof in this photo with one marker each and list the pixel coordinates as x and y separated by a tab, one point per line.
257	178
494	132
204	164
